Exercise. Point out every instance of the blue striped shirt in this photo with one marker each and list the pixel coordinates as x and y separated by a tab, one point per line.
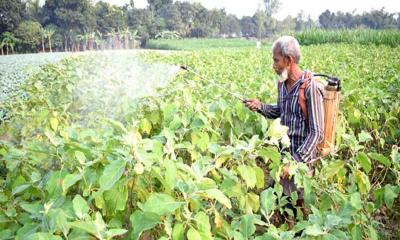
304	134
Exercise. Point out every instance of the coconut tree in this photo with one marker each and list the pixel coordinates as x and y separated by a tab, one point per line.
134	36
91	38
111	39
99	40
49	34
9	41
43	35
2	47
126	35
75	39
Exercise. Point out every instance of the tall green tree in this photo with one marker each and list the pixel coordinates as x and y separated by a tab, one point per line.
76	15
29	34
271	7
33	10
109	17
11	14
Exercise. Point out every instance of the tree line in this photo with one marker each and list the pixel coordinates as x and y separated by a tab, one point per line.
79	25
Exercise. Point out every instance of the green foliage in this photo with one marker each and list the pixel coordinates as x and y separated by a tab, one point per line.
359	36
192	162
199	44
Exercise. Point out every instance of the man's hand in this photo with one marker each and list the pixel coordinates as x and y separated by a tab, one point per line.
253	104
285	173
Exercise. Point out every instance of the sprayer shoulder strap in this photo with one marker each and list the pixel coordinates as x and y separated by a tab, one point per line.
302	94
302	97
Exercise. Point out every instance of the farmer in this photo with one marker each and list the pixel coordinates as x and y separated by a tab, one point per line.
305	132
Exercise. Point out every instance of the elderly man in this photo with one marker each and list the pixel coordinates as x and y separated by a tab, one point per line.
305	132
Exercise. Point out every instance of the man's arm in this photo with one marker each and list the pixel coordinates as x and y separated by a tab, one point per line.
315	108
270	111
267	110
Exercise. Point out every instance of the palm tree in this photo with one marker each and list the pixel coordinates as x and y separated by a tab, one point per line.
134	36
43	35
98	39
9	41
111	38
91	38
49	33
126	36
2	47
75	39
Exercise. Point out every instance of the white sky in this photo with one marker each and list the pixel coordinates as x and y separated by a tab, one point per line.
288	7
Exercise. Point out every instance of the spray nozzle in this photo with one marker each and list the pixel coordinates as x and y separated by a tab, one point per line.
184	67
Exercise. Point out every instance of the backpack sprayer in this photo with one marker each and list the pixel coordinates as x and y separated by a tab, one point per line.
331	110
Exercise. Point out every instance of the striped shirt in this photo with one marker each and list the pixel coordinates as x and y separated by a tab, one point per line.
304	134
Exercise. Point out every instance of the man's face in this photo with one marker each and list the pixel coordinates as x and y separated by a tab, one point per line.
280	63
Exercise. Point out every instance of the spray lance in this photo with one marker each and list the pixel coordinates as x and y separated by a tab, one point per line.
235	95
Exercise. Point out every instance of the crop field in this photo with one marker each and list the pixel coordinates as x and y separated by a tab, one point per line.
16	68
114	146
199	44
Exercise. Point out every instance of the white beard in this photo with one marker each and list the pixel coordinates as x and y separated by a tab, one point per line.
283	76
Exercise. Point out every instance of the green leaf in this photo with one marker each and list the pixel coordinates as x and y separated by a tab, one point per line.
247	227
219	196
88	227
170	175
111	174
142	221
203	226
54	123
161	204
260	178
58	221
115	232
270	153
355	200
356	232
80	206
80	156
331	221
20	189
43	236
314	230
145	126
364	136
193	234
178	232
390	195
363	182
200	140
116	198
70	180
32	208
333	168
249	175
380	158
372	233
268	200
277	130
364	161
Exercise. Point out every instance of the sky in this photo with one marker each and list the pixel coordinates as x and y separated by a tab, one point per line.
288	7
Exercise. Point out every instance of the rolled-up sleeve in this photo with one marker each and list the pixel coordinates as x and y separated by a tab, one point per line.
314	97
